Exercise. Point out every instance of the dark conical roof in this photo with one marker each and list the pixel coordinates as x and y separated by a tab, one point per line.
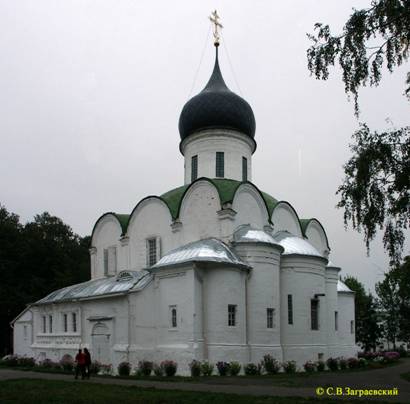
216	107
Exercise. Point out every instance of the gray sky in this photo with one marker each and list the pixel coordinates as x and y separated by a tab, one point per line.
91	92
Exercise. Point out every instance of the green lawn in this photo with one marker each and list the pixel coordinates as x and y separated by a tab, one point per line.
405	376
61	392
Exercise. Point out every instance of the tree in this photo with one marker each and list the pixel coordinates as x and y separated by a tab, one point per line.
389	305
368	331
376	188
36	259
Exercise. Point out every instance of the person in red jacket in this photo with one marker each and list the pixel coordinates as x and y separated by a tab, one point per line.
87	366
80	359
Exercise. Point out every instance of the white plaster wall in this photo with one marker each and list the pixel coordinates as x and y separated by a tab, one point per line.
332	306
284	218
224	286
249	207
263	291
22	340
199	212
206	143
317	237
347	345
302	277
106	234
150	219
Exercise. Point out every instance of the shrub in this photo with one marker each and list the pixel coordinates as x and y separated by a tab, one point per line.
289	366
270	364
49	364
195	367
25	361
10	360
402	351
363	363
251	369
343	363
309	367
67	363
105	369
96	367
332	364
223	368
320	366
390	357
124	369
353	363
207	368
158	370
145	367
170	368
234	368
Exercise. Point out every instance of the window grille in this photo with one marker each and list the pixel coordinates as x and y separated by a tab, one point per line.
50	324
65	323
336	320
152	251
244	169
231	315
220	172
314	314
105	261
74	321
44	324
270	315
194	168
173	317
290	309
352	327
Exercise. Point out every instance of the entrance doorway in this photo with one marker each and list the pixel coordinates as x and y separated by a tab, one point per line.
100	343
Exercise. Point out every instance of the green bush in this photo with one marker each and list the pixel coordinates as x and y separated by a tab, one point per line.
26	362
124	369
158	370
195	367
145	367
251	369
270	364
332	364
234	368
320	365
207	368
170	368
289	366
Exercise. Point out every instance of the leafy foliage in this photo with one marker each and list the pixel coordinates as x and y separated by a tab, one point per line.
376	189
35	259
368	331
372	39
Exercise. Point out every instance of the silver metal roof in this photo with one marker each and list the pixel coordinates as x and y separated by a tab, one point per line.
207	250
246	234
295	245
122	283
342	287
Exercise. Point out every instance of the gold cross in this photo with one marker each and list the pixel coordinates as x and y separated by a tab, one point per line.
214	17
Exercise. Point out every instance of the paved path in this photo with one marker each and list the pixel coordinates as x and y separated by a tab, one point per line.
374	379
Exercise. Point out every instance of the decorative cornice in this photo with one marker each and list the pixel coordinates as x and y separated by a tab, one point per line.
176	226
226	213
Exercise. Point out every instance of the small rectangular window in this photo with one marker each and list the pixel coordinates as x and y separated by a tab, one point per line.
232	315
112	260
25	332
173	320
244	169
105	261
336	320
290	309
194	168
270	318
44	324
220	171
314	314
352	327
151	251
65	323
74	321
50	324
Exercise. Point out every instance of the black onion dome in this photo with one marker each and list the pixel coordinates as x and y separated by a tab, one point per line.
216	107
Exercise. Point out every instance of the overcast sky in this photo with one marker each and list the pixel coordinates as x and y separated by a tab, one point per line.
91	92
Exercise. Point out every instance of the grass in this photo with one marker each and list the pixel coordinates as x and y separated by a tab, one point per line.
405	376
61	392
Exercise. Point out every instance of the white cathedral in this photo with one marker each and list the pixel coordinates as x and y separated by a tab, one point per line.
213	270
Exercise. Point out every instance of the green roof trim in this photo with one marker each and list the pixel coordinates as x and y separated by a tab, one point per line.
123	219
173	199
304	223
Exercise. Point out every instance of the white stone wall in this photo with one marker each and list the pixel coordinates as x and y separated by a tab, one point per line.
23	334
205	144
302	277
346	339
262	292
332	307
285	218
317	237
